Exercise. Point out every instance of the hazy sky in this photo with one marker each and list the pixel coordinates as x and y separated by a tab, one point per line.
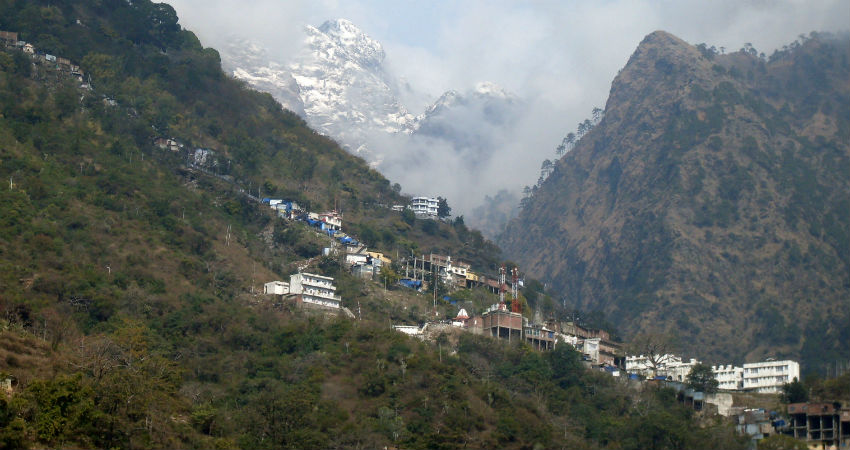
573	47
560	56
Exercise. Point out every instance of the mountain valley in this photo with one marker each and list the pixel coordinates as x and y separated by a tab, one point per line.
156	202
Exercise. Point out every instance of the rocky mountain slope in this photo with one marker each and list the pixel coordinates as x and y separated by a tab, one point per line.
710	201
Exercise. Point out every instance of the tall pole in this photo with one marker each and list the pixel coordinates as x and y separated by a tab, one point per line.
501	285
434	281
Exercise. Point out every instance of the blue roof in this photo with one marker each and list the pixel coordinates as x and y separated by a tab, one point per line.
413	284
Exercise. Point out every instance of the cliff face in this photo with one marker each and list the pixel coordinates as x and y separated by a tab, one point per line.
711	200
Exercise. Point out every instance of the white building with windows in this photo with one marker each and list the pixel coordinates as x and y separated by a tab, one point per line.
315	290
276	288
729	377
643	365
678	371
769	376
590	347
331	220
425	206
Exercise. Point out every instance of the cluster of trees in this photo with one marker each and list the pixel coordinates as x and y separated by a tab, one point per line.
815	388
567	144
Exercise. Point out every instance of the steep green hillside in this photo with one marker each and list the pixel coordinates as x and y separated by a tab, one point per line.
711	200
127	317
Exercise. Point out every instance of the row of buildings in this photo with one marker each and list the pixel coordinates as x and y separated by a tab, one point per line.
9	39
499	322
762	377
821	425
453	273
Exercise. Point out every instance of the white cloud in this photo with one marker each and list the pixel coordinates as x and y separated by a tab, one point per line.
560	56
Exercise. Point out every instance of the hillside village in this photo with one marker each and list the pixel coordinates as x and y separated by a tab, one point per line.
497	321
58	64
829	427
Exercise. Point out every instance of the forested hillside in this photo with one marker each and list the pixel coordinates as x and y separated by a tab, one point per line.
128	314
710	202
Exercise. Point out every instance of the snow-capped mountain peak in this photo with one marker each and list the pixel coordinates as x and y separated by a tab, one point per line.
339	84
345	35
490	89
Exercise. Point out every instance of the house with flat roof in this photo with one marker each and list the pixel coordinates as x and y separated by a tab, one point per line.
821	425
276	288
314	290
769	376
425	206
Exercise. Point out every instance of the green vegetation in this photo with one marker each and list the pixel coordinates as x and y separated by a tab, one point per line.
781	442
701	379
127	314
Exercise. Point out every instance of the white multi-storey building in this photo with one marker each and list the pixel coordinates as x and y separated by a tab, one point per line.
331	220
425	206
314	289
769	376
679	370
729	377
643	365
590	347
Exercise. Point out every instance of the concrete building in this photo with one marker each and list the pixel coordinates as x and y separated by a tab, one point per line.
454	273
315	290
821	425
167	144
63	63
755	423
379	259
769	376
424	206
498	322
679	370
650	367
276	288
364	271
9	37
729	377
539	337
568	339
607	351
286	209
357	255
410	330
331	220
590	349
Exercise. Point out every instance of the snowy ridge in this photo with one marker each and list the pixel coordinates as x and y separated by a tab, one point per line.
339	85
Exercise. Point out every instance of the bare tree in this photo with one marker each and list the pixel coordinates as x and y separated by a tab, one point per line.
654	346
